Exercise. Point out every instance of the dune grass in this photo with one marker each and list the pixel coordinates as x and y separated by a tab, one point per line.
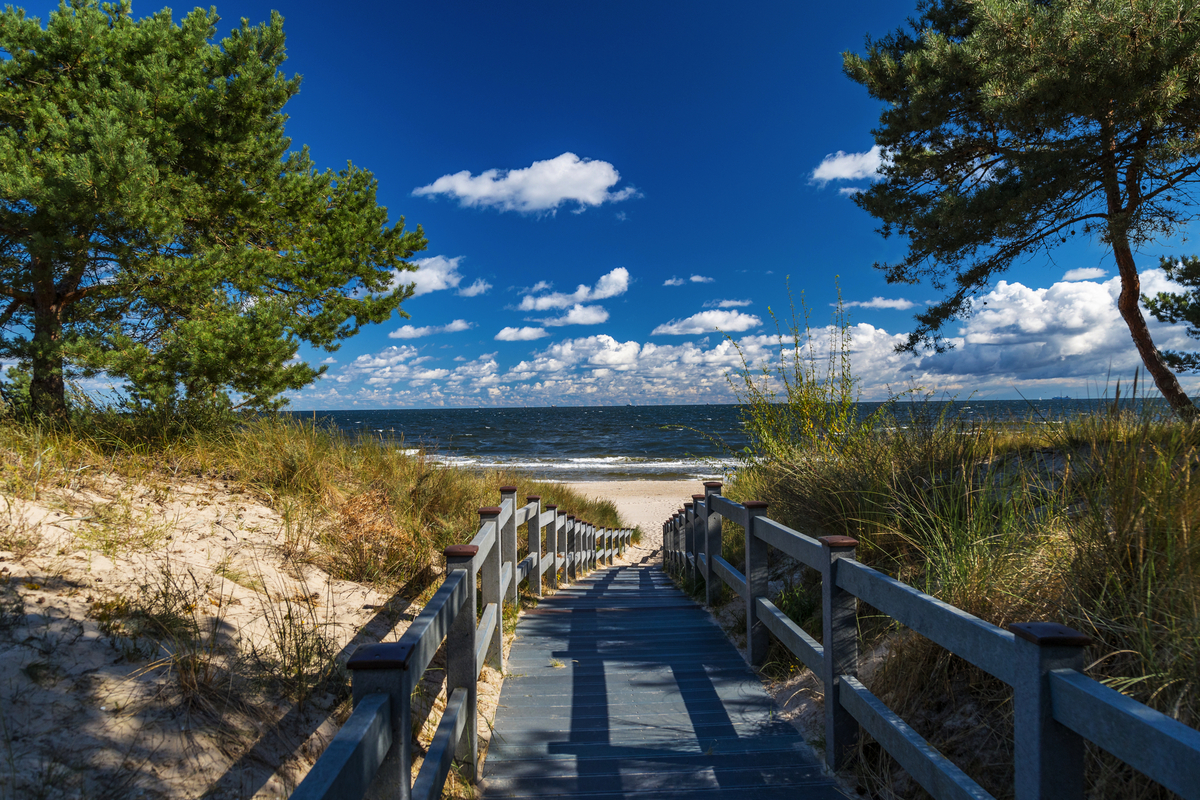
1089	521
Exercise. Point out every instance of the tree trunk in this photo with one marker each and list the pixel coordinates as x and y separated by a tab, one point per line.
1131	312
47	390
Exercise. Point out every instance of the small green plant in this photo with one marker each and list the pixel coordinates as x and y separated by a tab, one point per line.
300	655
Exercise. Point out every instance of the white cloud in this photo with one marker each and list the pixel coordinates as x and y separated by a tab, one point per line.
328	360
611	284
1084	274
843	166
542	186
700	279
409	332
707	322
480	286
432	275
880	302
520	334
579	315
850	191
728	303
674	282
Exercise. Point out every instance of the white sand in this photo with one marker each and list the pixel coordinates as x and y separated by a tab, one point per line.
643	504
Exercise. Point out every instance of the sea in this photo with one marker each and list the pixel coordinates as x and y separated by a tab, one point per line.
593	443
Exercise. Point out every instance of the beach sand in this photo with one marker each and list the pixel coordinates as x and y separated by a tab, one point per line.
643	504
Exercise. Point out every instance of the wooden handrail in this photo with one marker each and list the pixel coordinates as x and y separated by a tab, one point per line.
1056	706
373	749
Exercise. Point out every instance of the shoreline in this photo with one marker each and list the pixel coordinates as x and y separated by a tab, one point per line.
644	504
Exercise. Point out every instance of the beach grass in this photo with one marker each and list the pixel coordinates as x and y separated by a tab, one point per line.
1089	521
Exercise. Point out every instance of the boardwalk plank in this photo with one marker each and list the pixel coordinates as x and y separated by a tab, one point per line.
621	687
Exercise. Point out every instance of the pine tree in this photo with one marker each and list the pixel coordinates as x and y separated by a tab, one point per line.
155	222
1014	125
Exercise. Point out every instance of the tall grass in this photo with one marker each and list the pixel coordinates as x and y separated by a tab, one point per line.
1091	523
361	508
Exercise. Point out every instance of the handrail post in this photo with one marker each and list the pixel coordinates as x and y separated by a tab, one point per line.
534	534
369	676
689	535
712	540
555	548
666	551
572	570
758	638
676	537
490	584
461	669
589	548
1048	757
840	627
699	529
508	538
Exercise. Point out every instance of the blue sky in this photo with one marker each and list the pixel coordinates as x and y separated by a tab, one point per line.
611	189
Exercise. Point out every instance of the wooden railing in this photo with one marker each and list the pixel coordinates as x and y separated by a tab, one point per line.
373	750
1056	707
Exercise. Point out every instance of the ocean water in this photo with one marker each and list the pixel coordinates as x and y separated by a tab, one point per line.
618	442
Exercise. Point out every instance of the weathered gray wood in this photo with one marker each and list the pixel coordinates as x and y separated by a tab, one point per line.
491	591
393	778
427	631
534	529
712	539
508	540
1163	749
803	548
462	660
436	766
730	510
601	705
839	626
525	569
350	762
791	635
923	762
734	579
485	540
506	581
757	576
982	643
483	637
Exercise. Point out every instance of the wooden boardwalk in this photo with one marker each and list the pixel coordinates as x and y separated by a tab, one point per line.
621	687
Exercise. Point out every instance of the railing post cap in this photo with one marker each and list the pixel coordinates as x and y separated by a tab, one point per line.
461	551
679	511
508	490
755	504
552	507
713	484
696	497
533	497
489	511
570	516
383	655
837	542
1049	634
688	505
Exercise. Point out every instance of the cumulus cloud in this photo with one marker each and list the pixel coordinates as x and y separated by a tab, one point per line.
880	302
1069	330
700	279
674	282
612	284
579	315
843	166
520	334
541	187
1084	274
480	286
409	332
707	322
850	191
728	303
432	275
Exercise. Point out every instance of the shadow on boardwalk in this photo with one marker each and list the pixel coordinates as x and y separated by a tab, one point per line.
621	686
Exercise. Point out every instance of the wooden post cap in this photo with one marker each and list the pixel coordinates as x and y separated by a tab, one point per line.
713	484
533	497
697	497
461	551
570	516
489	511
688	505
552	507
1050	634
756	504
838	541
679	511
508	490
385	655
